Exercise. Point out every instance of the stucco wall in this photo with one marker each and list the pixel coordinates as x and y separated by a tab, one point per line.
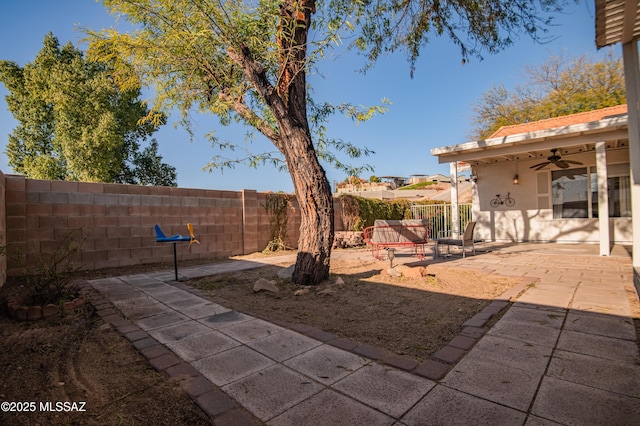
526	221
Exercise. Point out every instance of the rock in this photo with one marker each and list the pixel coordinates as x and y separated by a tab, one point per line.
417	272
286	273
302	292
267	285
327	292
339	281
392	272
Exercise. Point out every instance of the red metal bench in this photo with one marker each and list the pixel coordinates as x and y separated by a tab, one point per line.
397	233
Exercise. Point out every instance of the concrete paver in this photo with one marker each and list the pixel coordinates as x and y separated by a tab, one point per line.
228	366
327	364
272	391
389	390
331	408
565	352
451	407
574	404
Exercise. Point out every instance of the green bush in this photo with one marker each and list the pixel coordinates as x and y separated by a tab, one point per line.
368	210
359	212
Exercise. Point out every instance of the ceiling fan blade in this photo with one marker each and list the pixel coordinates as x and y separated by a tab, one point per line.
540	164
572	162
562	164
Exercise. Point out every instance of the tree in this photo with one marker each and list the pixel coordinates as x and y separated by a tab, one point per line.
560	86
75	124
248	61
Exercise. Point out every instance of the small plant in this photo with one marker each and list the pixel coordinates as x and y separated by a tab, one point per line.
277	205
48	279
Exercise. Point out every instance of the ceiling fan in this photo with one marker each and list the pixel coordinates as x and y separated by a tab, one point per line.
556	160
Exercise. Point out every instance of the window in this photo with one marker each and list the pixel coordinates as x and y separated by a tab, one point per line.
570	193
575	192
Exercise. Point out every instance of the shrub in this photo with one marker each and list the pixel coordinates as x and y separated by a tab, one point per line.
48	279
368	210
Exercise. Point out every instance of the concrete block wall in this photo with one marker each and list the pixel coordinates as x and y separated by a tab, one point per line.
117	222
3	230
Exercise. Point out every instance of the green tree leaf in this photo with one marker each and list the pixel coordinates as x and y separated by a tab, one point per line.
74	122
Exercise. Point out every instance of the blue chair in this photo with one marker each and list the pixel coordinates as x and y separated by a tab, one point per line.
162	238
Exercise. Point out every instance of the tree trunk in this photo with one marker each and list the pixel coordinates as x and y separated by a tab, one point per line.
316	210
309	180
288	103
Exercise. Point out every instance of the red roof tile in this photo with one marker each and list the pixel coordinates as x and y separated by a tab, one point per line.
566	120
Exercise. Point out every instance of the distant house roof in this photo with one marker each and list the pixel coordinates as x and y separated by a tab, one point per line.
566	120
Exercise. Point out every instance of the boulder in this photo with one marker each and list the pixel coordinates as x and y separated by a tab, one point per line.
286	273
266	285
302	292
327	292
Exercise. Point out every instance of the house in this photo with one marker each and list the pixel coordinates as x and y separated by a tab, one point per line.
574	178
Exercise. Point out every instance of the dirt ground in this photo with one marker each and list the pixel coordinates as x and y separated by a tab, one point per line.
408	316
79	359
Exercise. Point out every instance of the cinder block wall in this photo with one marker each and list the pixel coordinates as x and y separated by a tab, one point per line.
3	230
117	222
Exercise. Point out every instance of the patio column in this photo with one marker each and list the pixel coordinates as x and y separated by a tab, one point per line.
603	199
455	211
632	82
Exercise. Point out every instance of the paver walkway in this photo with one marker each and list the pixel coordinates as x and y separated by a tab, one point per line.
564	353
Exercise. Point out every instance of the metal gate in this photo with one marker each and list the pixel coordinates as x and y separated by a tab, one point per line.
439	215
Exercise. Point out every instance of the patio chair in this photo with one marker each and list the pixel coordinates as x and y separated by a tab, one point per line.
464	243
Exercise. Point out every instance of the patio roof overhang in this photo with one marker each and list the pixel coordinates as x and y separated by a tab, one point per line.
617	21
572	139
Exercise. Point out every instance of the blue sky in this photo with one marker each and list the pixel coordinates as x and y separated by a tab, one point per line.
431	110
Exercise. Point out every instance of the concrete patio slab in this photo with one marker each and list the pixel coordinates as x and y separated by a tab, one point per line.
512	353
179	331
231	365
137	311
254	329
510	386
169	295
573	404
117	294
203	310
601	324
327	364
186	301
533	333
162	320
225	319
136	299
202	345
272	391
554	297
535	316
600	373
444	406
282	345
599	346
329	408
389	390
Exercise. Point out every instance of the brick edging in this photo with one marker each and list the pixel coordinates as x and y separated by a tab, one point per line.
224	409
209	397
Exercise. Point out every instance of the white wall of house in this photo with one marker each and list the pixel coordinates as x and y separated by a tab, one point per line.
531	219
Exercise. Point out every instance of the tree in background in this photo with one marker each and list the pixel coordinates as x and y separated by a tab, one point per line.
75	124
560	86
247	62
